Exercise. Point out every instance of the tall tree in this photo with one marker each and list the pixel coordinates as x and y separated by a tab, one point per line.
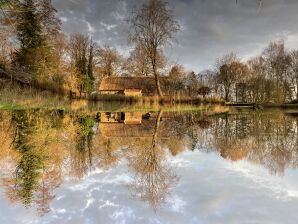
29	34
90	66
152	26
224	76
230	71
81	55
177	76
277	62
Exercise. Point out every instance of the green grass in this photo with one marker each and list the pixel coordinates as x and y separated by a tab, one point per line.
11	106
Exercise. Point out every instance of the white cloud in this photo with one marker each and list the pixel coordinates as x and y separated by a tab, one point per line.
282	188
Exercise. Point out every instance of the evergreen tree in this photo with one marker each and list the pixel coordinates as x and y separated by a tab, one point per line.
29	34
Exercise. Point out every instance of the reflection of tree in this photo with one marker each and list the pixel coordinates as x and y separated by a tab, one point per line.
51	179
107	153
153	179
266	138
263	138
6	136
81	157
30	164
33	180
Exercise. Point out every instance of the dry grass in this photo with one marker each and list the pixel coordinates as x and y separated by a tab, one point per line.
13	96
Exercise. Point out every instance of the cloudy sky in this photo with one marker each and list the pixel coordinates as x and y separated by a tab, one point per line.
209	28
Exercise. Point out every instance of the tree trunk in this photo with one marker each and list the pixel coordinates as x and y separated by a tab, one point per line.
227	95
237	93
297	88
157	125
157	83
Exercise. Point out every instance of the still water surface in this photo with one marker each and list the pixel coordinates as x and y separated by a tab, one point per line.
158	167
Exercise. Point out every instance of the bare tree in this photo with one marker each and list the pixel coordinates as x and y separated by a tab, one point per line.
225	76
109	61
153	177
138	63
277	62
152	26
294	71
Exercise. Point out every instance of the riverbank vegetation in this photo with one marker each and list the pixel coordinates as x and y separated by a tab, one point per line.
16	96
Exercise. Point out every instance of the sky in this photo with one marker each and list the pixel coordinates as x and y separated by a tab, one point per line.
209	28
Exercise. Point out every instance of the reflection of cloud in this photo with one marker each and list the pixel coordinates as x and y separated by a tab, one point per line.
61	211
259	175
89	202
108	179
124	214
179	162
108	204
218	201
177	204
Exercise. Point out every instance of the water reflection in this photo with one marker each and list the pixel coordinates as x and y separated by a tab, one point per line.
41	148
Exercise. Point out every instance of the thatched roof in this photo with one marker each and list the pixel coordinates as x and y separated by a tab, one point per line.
146	84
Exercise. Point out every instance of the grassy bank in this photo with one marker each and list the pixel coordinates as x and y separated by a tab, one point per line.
14	96
262	106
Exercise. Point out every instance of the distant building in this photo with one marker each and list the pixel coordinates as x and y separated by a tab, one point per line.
128	86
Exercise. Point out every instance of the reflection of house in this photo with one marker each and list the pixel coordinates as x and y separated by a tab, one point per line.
133	118
121	117
129	86
131	125
122	130
109	117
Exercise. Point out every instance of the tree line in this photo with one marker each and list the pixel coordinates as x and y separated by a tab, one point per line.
271	77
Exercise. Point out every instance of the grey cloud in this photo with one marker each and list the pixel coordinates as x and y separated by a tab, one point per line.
209	28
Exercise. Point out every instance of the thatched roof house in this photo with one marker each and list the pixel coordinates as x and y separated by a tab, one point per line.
128	86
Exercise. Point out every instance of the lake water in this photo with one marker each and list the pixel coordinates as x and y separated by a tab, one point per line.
148	167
